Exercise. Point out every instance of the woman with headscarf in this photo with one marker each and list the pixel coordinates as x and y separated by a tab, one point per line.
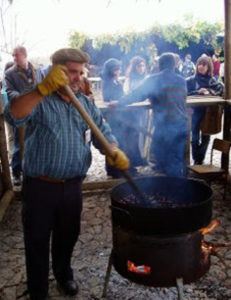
111	86
112	89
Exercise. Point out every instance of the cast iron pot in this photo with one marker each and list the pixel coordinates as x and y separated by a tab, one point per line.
167	257
192	206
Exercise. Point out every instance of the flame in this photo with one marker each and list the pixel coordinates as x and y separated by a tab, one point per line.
210	227
138	269
206	246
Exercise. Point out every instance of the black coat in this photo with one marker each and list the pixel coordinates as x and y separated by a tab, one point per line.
194	83
112	90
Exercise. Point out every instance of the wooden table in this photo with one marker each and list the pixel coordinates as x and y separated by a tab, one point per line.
204	101
191	101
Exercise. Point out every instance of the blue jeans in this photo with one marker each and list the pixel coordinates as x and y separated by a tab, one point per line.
199	141
168	148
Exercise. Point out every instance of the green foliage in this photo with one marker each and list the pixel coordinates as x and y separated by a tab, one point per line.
180	34
209	31
190	31
77	39
103	39
152	54
127	40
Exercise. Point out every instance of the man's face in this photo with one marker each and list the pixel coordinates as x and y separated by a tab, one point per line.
74	72
188	58
20	58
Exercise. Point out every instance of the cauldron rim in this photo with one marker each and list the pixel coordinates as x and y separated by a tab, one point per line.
163	220
188	179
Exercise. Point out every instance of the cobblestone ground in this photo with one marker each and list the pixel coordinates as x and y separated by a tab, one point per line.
97	171
93	248
91	256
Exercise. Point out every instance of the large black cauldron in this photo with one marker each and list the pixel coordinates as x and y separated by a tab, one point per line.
156	245
192	207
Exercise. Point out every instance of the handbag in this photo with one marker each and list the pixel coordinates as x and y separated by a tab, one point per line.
211	123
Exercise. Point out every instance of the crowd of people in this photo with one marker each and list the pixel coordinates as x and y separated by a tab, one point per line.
202	78
57	141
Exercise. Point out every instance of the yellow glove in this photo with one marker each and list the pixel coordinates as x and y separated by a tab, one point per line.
54	80
120	161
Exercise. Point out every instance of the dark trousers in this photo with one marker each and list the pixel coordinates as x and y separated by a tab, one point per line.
50	210
124	126
199	141
16	160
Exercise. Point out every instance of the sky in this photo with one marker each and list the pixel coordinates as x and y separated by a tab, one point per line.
43	25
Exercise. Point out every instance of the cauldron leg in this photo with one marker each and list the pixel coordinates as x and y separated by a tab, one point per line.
108	273
180	286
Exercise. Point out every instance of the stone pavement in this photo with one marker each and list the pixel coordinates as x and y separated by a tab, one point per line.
91	256
93	248
97	171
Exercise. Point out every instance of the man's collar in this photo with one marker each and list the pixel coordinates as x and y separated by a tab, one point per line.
19	68
64	96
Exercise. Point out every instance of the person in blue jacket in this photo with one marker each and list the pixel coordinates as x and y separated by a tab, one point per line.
167	93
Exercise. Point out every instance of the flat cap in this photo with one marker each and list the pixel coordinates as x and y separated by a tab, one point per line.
64	55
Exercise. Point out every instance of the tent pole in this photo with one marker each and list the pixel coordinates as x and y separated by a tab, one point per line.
227	50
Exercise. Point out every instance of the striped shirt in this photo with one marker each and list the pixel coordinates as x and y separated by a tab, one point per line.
56	143
167	92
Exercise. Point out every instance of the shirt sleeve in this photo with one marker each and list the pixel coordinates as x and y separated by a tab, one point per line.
126	86
141	93
216	88
191	86
102	125
4	97
17	122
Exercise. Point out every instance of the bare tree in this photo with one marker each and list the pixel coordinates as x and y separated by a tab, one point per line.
5	30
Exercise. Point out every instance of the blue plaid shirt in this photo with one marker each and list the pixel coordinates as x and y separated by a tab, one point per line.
55	143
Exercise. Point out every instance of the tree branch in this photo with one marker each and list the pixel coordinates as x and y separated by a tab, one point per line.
3	29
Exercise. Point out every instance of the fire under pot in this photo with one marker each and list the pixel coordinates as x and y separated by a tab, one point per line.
161	240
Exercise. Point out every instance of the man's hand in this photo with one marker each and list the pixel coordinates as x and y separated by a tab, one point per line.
54	80
113	104
120	160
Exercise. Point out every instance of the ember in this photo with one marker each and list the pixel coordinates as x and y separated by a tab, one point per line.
171	206
138	269
157	200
